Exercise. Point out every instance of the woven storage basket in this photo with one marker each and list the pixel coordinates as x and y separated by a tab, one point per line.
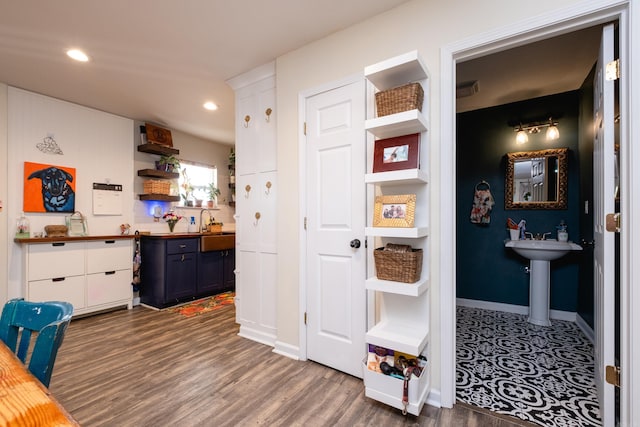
156	186
402	98
55	230
398	266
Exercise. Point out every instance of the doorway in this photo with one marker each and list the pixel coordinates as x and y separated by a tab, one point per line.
543	27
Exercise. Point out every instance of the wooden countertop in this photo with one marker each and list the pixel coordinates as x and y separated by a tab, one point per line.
24	401
72	238
183	235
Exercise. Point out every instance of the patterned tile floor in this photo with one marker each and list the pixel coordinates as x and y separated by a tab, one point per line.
543	375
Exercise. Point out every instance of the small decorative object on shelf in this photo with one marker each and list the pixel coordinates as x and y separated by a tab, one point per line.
172	219
400	152
399	99
22	229
394	211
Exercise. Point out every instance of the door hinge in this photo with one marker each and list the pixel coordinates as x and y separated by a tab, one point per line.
366	245
305	222
612	375
305	317
612	222
305	128
612	70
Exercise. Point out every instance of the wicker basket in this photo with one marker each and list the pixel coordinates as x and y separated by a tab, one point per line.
398	266
402	98
55	230
214	228
156	186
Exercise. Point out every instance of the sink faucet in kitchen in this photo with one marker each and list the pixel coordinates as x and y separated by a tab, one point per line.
200	227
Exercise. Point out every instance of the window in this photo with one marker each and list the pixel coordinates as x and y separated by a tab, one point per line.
195	179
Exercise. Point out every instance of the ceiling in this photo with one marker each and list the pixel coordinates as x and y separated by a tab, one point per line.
160	60
555	65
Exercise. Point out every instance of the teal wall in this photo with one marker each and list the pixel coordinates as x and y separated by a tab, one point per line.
486	270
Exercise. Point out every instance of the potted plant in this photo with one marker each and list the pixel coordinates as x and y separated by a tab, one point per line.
214	192
168	163
187	188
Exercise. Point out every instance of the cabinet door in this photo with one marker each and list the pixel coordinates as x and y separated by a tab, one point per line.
109	255
107	287
48	261
229	275
181	276
210	272
267	156
247	153
69	289
248	199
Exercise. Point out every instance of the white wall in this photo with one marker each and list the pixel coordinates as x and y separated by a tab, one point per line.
424	25
96	144
4	185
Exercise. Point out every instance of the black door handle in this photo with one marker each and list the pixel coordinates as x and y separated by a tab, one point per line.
355	243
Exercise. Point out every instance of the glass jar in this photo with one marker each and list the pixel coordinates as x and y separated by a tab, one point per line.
22	226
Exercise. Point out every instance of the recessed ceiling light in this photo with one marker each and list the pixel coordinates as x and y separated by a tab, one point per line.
78	55
210	106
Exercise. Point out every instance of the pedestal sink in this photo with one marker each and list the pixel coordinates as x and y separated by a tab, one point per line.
540	253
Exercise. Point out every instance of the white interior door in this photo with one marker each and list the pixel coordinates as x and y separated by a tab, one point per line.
604	253
336	272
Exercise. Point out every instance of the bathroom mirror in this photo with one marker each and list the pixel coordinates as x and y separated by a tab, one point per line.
536	179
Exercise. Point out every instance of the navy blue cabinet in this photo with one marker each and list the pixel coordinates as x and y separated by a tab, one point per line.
174	270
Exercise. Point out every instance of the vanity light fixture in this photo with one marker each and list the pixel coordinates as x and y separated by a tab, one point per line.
211	106
78	55
552	132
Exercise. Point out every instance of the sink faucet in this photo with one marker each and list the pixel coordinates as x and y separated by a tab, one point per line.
539	236
201	228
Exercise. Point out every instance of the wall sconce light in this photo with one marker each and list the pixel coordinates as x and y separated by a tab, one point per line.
530	128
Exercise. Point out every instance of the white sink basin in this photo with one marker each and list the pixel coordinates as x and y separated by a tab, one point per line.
542	250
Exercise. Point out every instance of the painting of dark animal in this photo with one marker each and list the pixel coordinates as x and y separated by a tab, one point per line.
56	192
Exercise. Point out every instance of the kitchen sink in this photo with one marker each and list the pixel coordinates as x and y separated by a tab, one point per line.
217	242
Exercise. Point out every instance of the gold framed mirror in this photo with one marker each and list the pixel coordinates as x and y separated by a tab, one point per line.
536	179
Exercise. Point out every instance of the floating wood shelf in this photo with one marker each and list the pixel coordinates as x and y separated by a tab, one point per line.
158	149
154	173
160	197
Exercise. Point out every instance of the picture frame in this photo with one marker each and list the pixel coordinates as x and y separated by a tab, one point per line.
397	153
394	211
158	135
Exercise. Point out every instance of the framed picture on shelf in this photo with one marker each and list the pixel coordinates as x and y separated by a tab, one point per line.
394	211
400	152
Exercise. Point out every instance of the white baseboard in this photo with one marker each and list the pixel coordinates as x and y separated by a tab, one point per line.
287	350
585	328
434	398
512	308
258	336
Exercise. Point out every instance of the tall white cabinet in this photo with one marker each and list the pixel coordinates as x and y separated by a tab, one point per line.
402	309
256	195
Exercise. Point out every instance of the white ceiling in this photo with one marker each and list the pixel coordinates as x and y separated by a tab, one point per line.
546	67
160	60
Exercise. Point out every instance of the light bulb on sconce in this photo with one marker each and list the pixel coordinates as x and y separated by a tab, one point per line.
521	136
157	213
552	131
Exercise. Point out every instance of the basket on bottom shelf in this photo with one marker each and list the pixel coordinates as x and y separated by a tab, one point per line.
156	186
398	263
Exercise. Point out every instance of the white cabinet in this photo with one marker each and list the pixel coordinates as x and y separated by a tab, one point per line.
256	196
92	275
402	309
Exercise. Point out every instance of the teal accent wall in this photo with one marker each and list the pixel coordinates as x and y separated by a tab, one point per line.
486	270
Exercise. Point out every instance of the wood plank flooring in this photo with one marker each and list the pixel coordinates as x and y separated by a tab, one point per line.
143	367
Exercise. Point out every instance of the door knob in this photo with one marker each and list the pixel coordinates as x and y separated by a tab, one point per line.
355	243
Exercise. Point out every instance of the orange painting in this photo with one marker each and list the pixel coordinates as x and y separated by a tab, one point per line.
49	188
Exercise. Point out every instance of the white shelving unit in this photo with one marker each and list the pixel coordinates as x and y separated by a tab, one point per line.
402	309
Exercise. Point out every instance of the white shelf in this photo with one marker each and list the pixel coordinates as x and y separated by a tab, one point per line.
396	71
403	336
403	123
415	232
388	389
400	177
388	286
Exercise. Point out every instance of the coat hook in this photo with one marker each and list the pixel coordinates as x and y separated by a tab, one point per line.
268	185
247	118
247	188
257	215
268	112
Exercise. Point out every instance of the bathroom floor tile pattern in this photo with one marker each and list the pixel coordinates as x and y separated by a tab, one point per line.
544	375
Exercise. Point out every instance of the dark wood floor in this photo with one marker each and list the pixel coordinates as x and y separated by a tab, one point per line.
143	367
